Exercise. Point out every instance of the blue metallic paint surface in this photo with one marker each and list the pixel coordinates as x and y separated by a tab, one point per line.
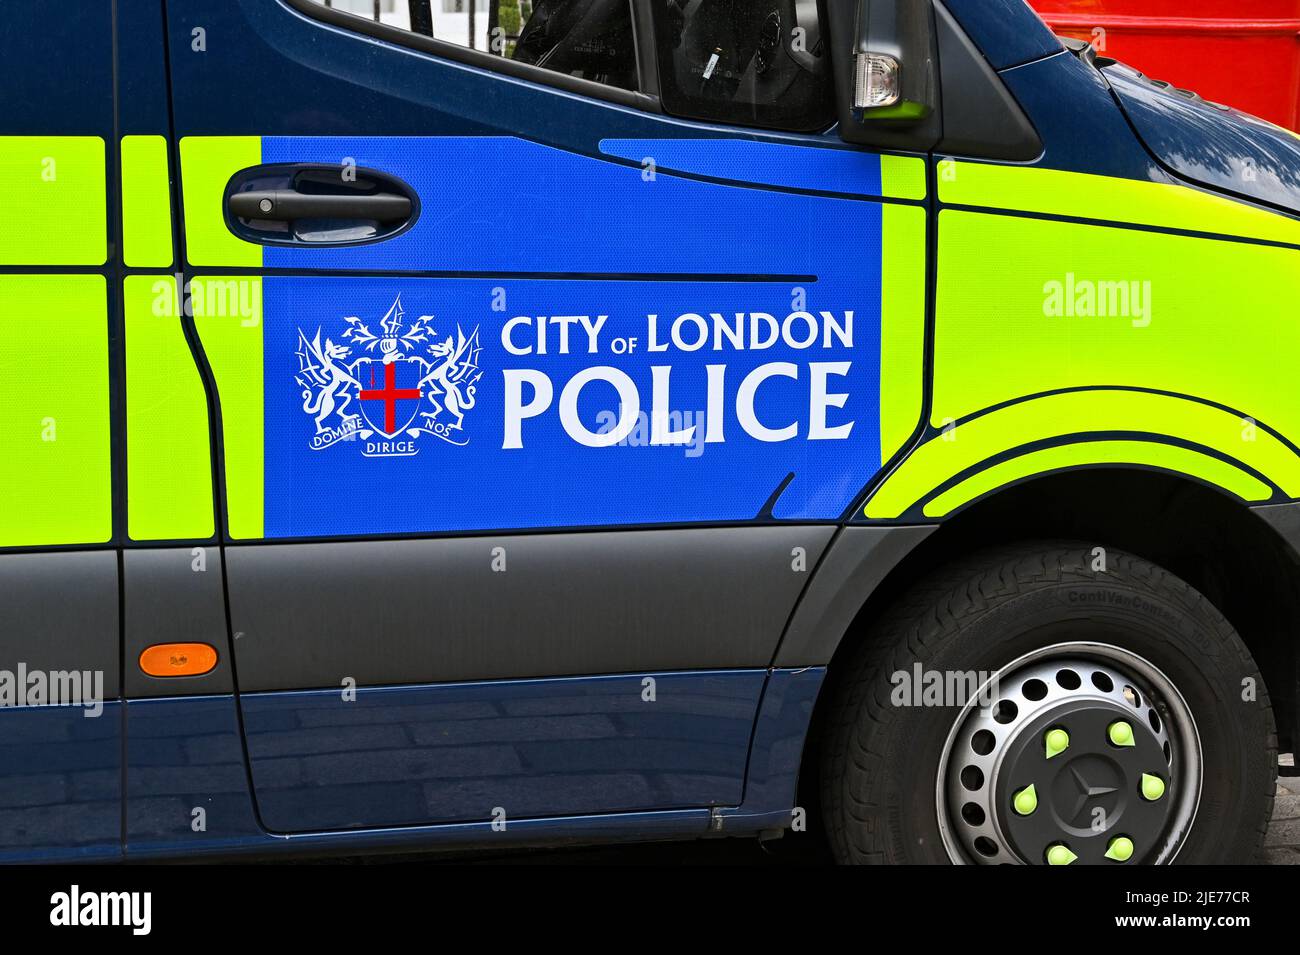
1218	147
1075	114
187	780
777	751
142	68
185	753
453	752
1008	32
58	69
60	783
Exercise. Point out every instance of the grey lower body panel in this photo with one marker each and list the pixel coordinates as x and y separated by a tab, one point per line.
58	612
858	561
433	611
174	595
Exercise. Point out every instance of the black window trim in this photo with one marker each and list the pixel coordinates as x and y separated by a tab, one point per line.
637	99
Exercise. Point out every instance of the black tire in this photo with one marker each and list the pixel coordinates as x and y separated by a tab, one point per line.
880	762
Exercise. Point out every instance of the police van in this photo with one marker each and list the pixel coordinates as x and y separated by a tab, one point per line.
638	419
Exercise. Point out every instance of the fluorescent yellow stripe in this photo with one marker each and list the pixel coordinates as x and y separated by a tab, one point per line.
55	468
228	314
168	457
1216	320
964	447
207	163
1027	189
1135	453
55	207
902	330
146	203
902	177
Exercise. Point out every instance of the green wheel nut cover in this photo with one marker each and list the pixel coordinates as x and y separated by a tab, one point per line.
1060	854
1120	849
1056	742
1025	801
1153	787
1121	733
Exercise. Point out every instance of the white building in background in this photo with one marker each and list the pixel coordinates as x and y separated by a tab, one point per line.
450	17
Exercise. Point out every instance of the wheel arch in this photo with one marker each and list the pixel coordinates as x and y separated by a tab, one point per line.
1242	559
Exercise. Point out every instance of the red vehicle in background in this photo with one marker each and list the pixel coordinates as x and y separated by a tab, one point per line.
1245	55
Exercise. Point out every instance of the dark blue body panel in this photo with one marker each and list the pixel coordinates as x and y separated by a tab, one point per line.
1075	115
591	742
187	780
142	102
60	783
50	90
1008	32
454	753
1213	145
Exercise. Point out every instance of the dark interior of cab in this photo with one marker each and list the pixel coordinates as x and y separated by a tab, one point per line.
732	51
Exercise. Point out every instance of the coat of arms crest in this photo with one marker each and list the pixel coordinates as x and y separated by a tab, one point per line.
389	389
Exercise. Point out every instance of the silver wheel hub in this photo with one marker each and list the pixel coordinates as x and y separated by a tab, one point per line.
1079	752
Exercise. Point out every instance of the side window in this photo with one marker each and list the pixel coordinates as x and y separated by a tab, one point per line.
752	62
588	39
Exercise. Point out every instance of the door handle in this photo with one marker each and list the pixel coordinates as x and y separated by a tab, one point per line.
299	204
286	205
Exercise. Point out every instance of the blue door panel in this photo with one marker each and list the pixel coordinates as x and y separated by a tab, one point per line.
501	204
729	222
821	282
843	170
60	791
413	755
320	485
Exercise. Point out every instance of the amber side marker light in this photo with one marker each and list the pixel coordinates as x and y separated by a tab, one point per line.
178	659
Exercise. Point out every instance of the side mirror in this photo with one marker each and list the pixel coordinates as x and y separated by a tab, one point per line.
885	60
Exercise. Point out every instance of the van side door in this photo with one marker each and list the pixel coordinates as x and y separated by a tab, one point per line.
547	364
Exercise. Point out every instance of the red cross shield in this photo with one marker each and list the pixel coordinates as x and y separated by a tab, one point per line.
390	392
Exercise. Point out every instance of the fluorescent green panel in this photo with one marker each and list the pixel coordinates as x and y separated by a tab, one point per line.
146	203
207	163
55	466
1136	453
1030	189
228	314
902	333
55	207
1030	306
1219	324
168	458
966	445
902	177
